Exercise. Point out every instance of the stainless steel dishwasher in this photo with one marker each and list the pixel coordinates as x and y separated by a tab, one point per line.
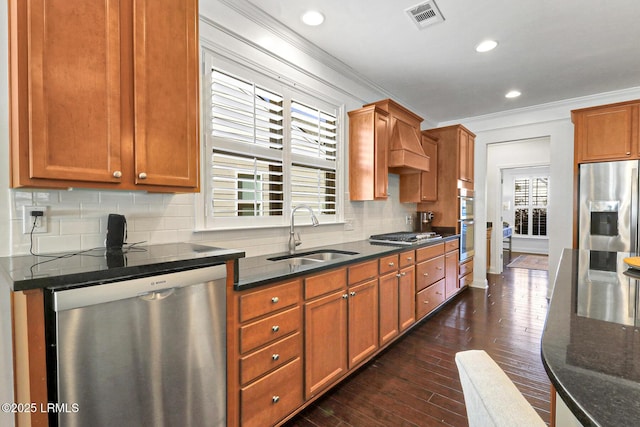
142	352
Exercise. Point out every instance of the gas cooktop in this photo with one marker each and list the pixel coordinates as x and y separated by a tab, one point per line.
404	238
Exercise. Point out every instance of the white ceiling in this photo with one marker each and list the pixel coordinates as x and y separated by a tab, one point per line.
549	50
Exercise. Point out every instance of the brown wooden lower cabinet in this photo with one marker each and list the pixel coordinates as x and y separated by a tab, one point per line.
272	397
325	341
298	338
429	298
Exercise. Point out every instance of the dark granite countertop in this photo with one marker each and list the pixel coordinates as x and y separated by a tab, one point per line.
258	271
591	339
65	270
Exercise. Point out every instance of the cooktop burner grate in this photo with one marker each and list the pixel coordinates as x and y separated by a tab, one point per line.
406	238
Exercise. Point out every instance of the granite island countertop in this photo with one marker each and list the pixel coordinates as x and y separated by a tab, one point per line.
591	338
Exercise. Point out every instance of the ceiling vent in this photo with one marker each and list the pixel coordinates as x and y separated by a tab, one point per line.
425	14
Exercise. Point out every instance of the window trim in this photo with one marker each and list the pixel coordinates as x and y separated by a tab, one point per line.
203	217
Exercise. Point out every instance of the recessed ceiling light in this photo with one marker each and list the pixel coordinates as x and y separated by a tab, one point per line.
486	46
513	94
312	18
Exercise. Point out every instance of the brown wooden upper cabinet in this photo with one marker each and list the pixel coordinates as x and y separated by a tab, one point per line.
368	153
104	94
455	171
422	187
608	132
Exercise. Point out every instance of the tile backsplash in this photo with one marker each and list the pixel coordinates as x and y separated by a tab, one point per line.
77	220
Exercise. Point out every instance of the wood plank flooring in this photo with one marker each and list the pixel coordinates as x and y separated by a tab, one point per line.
415	382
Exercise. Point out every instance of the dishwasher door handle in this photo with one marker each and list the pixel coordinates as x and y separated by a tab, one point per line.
157	295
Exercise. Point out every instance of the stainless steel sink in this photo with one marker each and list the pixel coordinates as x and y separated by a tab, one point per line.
311	257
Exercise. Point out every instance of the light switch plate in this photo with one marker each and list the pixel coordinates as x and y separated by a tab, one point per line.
40	225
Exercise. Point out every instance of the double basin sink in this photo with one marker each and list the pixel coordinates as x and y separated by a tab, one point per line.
313	257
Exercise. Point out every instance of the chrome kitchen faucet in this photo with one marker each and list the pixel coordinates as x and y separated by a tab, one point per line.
293	240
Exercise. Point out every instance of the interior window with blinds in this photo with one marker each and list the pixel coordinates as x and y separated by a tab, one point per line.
530	202
268	152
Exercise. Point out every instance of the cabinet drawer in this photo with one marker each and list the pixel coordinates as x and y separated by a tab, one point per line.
429	298
429	272
363	271
324	283
466	280
273	397
259	303
407	258
451	245
270	329
271	357
465	268
388	264
424	254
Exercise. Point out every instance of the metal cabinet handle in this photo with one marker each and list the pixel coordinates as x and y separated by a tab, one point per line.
425	274
409	258
404	273
391	264
142	175
426	302
275	328
275	399
275	300
345	296
438	293
276	356
438	268
398	275
352	293
117	174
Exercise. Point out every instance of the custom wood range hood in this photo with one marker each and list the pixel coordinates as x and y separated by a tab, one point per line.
406	155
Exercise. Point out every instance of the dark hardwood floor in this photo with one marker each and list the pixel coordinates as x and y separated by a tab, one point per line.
415	382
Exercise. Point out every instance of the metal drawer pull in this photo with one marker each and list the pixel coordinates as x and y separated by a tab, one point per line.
345	296
142	175
275	300
425	274
275	399
352	293
438	293
398	275
409	258
438	268
404	273
275	328
117	174
391	264
276	356
426	302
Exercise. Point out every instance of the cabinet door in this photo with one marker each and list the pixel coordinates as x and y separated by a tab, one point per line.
388	307
406	297
166	92
429	180
325	341
363	321
605	133
465	159
381	156
73	93
451	274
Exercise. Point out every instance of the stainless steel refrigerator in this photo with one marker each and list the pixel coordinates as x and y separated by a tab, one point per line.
608	206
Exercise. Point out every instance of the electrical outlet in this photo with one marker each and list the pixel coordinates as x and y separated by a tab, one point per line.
34	223
408	219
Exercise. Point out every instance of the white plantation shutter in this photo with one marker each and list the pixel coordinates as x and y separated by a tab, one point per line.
247	159
268	150
313	152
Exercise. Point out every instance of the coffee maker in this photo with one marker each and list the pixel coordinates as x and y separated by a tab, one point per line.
423	222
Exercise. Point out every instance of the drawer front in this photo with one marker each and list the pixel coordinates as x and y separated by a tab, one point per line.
388	264
407	258
324	283
273	397
270	329
259	303
432	251
363	271
429	272
466	280
429	298
451	245
466	268
269	358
